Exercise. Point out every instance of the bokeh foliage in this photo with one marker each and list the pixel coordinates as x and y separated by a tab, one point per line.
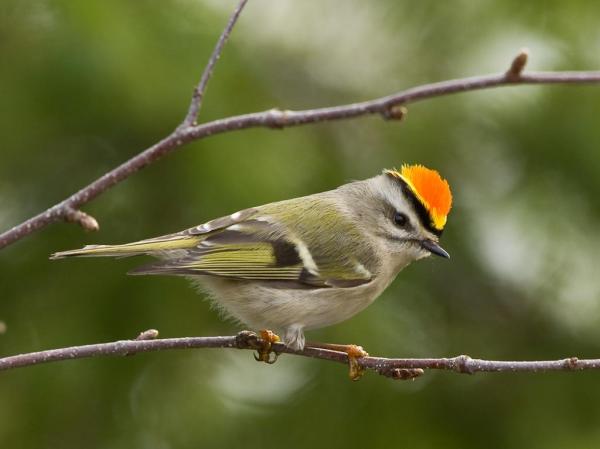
85	85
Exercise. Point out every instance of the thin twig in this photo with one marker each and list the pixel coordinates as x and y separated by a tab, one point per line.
395	368
199	90
275	118
388	107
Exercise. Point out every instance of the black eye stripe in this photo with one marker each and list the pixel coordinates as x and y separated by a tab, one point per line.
418	208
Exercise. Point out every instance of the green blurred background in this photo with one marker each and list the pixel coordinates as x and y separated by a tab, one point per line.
86	85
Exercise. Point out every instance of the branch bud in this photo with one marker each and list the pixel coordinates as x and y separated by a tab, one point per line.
84	220
149	334
517	66
395	112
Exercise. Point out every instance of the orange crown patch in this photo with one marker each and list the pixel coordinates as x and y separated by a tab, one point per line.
430	189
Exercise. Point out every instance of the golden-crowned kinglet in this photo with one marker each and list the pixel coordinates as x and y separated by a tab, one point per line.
307	262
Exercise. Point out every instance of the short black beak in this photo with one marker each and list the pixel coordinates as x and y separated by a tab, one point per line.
434	248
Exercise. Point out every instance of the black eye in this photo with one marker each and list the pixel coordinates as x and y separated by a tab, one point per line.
400	219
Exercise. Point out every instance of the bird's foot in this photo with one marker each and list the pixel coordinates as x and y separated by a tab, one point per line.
354	353
264	353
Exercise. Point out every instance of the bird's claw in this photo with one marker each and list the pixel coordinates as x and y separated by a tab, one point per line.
265	356
354	353
266	353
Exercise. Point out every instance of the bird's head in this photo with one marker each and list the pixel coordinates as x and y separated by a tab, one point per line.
407	211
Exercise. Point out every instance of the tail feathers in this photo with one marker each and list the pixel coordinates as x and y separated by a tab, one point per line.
152	246
99	251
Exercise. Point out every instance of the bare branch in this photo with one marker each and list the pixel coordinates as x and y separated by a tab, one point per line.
389	107
199	90
394	368
68	209
275	118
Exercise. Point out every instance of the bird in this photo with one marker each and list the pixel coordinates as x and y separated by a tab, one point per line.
308	262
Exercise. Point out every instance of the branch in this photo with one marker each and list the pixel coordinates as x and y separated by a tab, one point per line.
68	209
198	94
394	368
389	107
